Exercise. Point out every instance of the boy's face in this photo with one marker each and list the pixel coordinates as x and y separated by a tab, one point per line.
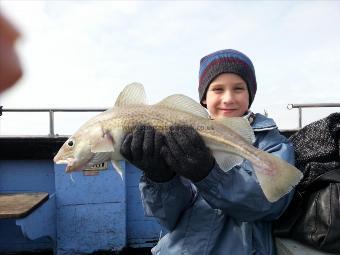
227	96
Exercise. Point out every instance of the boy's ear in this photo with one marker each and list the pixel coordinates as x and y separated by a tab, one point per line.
204	101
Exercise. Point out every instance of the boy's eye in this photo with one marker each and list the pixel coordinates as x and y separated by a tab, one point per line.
217	89
240	88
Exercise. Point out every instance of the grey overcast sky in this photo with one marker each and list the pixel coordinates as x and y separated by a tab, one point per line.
82	53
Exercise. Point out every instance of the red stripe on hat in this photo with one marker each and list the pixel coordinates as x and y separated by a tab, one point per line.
220	60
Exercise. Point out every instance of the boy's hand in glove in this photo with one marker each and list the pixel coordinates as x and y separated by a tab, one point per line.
188	156
142	148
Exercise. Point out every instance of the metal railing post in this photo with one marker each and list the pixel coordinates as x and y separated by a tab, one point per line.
300	117
51	113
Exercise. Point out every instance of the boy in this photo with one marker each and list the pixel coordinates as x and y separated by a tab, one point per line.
207	210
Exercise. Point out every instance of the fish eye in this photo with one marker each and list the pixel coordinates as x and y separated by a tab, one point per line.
70	143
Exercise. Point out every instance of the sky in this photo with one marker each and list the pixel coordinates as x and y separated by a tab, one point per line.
81	54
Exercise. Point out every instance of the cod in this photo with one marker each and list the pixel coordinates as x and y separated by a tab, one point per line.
229	140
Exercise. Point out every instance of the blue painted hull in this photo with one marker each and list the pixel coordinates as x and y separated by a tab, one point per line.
84	214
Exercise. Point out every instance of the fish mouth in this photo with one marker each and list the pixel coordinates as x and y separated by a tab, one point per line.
75	164
72	164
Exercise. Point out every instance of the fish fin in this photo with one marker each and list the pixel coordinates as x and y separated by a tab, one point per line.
225	160
101	143
116	165
240	126
278	179
99	158
184	103
132	94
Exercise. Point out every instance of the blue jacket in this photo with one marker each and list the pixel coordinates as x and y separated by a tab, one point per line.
226	212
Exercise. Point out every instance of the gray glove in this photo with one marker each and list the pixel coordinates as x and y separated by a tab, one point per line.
188	156
143	148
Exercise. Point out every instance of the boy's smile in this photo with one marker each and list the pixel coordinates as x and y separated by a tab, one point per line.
227	96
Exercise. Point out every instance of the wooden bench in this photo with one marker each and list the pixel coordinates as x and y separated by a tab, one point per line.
33	212
19	205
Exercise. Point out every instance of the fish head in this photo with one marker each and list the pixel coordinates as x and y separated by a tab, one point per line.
75	152
82	147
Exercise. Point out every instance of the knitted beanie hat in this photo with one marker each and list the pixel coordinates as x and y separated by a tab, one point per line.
226	61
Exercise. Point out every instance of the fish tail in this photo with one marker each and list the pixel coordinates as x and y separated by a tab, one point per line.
275	176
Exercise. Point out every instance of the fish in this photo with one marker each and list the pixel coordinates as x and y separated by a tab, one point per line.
230	140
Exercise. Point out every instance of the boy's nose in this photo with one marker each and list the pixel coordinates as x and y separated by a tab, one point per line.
227	98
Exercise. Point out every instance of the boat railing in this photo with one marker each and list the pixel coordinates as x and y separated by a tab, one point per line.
51	112
301	106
